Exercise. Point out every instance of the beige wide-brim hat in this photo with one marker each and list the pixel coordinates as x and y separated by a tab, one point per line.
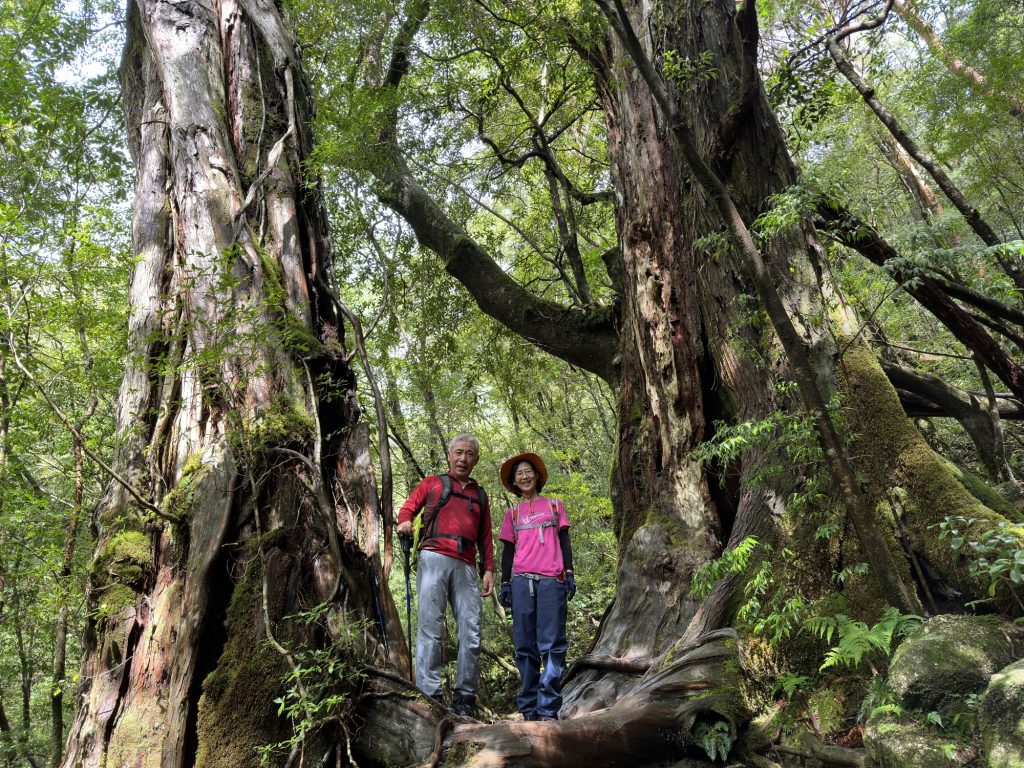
534	459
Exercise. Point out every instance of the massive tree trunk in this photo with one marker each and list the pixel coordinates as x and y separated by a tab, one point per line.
691	331
244	489
694	351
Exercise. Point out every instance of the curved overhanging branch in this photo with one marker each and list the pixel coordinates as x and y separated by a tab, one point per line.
979	413
586	339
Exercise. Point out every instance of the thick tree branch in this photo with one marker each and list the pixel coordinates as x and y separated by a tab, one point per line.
979	413
584	338
589	198
992	307
936	397
415	14
847	229
1000	328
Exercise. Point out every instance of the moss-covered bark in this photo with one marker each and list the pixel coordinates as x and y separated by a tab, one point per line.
236	712
913	487
237	412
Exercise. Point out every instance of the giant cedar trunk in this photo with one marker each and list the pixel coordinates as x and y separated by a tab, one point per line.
690	332
692	353
237	416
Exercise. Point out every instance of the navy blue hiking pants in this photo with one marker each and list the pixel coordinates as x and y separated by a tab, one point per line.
538	632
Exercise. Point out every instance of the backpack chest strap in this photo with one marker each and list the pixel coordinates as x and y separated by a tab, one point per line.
551	523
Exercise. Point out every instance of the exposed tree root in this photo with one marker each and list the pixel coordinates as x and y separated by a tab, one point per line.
652	724
608	663
435	757
828	754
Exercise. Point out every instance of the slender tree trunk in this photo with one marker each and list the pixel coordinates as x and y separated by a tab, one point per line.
438	442
60	642
924	202
954	64
237	418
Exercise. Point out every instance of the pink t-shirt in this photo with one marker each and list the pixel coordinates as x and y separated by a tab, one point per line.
533	555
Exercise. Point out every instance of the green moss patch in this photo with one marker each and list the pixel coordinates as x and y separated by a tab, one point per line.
284	423
902	471
1001	718
949	657
907	743
180	500
237	713
984	493
120	570
463	752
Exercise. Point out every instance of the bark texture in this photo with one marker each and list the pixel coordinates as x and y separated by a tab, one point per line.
237	417
691	331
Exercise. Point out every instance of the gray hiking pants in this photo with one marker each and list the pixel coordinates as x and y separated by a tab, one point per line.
441	580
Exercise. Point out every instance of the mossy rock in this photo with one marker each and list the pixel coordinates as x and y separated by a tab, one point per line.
949	657
1001	718
909	743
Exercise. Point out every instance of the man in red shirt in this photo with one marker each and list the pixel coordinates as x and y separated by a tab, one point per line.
446	573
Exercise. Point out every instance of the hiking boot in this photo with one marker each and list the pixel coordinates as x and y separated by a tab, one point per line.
462	705
439	699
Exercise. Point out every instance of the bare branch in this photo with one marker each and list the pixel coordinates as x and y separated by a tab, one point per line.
116	476
926	161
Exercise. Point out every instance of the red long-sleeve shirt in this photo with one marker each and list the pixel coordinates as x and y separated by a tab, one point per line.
459	516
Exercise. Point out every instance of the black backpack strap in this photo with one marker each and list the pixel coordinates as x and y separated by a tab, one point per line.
429	526
442	499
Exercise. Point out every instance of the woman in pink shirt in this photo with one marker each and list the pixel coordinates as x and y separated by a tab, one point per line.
536	580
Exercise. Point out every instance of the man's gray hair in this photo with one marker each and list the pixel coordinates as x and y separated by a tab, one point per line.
465	437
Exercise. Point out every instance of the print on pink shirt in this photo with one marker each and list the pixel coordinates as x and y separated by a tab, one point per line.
537	548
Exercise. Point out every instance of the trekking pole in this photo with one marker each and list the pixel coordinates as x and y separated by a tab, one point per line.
406	541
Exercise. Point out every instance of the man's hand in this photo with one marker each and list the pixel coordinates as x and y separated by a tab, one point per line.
488	586
405	528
